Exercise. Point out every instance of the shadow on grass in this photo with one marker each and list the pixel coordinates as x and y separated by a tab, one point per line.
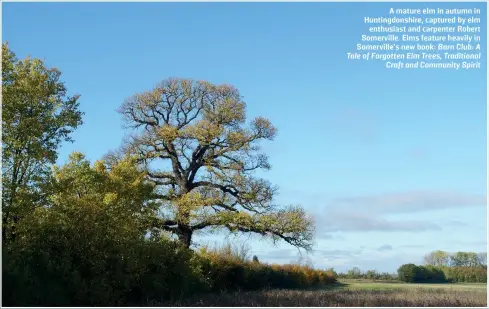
334	286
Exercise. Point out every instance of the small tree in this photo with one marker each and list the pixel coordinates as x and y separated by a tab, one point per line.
201	155
372	274
482	258
437	258
459	259
37	116
409	273
89	248
354	273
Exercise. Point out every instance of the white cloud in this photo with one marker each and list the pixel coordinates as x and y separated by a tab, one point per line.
384	248
351	221
406	202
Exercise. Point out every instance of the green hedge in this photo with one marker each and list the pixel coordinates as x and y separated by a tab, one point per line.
57	267
466	274
60	275
414	273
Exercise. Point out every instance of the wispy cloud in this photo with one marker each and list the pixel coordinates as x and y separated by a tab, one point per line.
413	246
352	221
338	254
276	255
406	202
384	248
342	260
457	223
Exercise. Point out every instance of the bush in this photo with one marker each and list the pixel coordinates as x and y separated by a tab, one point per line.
413	273
409	273
224	270
476	274
56	264
83	256
432	274
57	273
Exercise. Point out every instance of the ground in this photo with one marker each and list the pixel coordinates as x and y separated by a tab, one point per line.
360	284
354	293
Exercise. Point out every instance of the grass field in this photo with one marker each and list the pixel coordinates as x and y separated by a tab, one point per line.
361	284
354	293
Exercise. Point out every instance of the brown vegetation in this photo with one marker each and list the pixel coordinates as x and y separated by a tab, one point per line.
416	297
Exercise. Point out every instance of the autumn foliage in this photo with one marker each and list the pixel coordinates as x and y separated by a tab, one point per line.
119	231
225	270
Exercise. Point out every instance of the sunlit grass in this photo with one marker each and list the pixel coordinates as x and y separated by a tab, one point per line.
353	294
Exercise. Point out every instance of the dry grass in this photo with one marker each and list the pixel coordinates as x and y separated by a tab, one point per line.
344	297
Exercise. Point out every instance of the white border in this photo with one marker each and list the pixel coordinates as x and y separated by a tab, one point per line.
277	1
251	1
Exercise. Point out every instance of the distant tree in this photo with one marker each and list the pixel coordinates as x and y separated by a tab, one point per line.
388	276
255	259
354	273
372	274
409	273
431	273
437	258
472	259
303	260
482	258
37	116
460	259
192	138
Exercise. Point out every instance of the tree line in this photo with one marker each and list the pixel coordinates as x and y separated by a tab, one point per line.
439	266
440	274
468	259
372	274
442	266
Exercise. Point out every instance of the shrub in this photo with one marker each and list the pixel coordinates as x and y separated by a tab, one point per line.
413	273
433	274
225	272
409	273
466	274
100	261
57	273
82	257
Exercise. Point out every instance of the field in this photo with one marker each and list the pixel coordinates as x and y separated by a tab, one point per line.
354	293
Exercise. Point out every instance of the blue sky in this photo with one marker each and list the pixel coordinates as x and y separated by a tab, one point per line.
392	163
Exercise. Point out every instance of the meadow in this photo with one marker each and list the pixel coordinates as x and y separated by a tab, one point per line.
353	293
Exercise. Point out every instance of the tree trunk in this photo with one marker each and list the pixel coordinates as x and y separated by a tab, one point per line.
185	235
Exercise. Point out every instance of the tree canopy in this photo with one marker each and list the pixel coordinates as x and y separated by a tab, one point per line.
37	116
96	201
193	139
92	234
464	259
